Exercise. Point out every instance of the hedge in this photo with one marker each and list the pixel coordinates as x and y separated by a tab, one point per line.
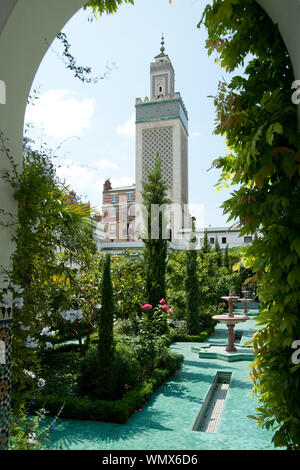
184	338
119	411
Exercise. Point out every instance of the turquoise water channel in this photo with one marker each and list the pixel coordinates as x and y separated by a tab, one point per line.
166	421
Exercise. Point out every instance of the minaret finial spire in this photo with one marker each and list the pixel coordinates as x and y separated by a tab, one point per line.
162	43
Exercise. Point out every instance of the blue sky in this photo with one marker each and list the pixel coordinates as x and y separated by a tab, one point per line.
93	124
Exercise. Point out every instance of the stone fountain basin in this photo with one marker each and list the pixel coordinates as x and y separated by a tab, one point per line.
231	320
233	297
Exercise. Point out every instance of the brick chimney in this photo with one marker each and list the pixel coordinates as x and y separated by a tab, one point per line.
107	185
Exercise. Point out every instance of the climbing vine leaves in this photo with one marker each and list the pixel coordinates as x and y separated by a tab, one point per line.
255	113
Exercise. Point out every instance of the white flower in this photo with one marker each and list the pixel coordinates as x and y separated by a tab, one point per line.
29	373
48	345
19	302
6	301
35	227
23	327
47	332
71	315
31	342
32	438
41	383
17	289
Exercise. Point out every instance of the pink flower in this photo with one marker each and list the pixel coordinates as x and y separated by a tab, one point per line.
162	301
165	307
170	311
146	306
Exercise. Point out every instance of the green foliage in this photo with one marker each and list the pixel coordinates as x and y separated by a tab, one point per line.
175	283
155	250
80	72
47	225
60	369
192	287
219	253
126	369
226	261
100	7
213	282
206	248
129	285
185	338
26	432
118	411
256	115
150	343
106	372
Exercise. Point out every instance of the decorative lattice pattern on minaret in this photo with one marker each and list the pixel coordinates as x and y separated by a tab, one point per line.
158	140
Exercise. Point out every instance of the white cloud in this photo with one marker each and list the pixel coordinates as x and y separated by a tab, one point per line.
60	114
196	134
128	128
122	181
87	181
104	165
80	178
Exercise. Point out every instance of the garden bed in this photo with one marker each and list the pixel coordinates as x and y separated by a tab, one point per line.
119	411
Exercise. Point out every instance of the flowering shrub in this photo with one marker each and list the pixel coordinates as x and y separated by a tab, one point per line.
30	431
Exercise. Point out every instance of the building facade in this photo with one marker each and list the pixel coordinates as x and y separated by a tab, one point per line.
118	213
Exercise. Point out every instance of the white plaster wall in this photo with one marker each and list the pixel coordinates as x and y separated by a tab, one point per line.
286	13
28	28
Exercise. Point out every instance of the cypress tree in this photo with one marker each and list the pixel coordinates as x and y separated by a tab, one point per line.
206	245
106	341
192	286
155	251
226	257
218	252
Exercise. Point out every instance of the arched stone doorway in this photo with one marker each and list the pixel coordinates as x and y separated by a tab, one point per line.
26	30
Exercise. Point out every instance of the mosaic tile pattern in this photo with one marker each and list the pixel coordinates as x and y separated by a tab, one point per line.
158	140
5	374
212	418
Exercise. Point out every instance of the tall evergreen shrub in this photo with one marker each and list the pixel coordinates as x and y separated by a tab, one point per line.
192	286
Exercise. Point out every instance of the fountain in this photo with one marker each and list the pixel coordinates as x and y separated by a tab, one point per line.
231	320
244	299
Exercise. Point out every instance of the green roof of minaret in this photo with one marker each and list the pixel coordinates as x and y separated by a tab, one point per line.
162	53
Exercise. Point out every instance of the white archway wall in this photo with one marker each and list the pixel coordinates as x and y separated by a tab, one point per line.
28	28
286	13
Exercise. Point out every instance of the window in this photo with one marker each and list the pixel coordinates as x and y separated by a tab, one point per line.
113	198
247	239
113	212
112	228
129	196
224	240
211	240
131	211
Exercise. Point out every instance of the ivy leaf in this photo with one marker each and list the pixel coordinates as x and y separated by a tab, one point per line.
275	128
296	246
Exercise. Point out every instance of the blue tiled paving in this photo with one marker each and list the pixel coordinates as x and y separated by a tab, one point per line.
166	421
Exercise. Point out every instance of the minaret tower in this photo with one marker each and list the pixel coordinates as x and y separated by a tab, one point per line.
162	126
